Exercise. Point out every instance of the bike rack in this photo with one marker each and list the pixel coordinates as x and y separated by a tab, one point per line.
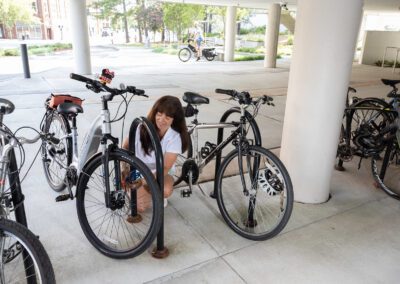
160	251
257	137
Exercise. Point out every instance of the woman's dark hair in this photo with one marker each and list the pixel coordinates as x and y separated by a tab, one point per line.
172	107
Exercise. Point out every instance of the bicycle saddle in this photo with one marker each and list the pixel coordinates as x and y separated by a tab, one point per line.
194	98
69	108
389	82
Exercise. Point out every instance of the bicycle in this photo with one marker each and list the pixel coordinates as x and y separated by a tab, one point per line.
362	118
263	205
377	133
386	171
23	258
107	214
190	51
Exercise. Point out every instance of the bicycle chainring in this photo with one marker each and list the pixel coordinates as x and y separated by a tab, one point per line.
190	166
345	153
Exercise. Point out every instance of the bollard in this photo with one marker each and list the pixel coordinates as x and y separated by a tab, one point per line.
25	61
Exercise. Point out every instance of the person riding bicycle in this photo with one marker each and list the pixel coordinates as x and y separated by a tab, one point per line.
168	117
198	36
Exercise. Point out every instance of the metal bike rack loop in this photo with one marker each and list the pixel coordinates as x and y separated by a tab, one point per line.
160	251
257	138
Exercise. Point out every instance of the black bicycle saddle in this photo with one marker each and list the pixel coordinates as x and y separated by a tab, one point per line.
195	98
389	82
69	108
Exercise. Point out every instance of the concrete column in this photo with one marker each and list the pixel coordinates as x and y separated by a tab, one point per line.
326	34
230	33
272	35
80	37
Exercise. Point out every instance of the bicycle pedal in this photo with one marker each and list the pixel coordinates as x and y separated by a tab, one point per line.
63	197
185	193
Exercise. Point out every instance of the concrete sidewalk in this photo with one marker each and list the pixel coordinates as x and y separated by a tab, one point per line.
352	238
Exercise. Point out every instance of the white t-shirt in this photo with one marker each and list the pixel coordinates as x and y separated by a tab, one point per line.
170	143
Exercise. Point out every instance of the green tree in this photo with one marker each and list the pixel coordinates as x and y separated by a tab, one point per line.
116	10
12	11
155	18
178	17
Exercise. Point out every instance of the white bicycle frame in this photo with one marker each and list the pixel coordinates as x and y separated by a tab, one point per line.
100	126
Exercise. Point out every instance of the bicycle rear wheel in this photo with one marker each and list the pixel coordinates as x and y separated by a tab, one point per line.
117	231
184	54
258	202
368	116
386	171
23	257
56	158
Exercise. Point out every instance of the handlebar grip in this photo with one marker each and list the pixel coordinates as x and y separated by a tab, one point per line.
226	92
140	92
80	78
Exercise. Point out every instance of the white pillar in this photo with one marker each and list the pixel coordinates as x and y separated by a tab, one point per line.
272	35
80	37
230	33
326	33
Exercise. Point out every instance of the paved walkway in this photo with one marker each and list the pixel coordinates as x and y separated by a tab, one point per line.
352	238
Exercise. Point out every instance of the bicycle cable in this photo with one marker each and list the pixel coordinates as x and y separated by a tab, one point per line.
123	121
123	115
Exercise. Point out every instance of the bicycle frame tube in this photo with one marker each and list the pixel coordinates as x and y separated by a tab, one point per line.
100	126
194	129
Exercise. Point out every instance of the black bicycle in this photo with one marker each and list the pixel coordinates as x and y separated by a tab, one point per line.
190	51
374	128
386	170
362	118
106	204
252	186
23	258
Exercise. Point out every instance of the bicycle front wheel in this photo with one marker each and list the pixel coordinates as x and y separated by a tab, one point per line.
386	171
119	230
23	257
56	158
254	193
184	54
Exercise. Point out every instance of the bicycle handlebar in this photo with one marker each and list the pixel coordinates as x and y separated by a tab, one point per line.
80	78
45	136
244	97
97	86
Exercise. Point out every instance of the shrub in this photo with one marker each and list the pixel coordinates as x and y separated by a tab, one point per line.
11	52
259	50
255	30
249	57
289	40
388	63
158	50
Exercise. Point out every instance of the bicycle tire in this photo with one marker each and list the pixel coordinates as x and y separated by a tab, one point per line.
386	171
88	193
28	250
273	180
210	58
360	115
184	54
54	155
